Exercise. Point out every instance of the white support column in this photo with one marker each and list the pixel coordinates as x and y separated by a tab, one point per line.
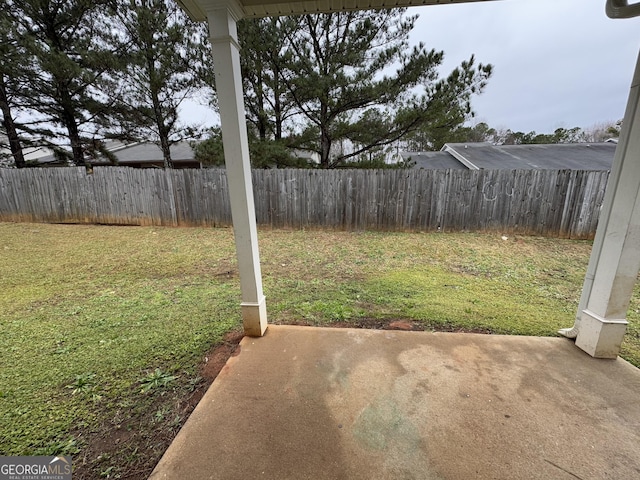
615	258
226	56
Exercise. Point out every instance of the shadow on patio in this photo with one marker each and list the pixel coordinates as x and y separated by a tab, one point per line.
326	403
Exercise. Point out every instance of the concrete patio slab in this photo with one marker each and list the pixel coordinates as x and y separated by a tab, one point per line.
325	403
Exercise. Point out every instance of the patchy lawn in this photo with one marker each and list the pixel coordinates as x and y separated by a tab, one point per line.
110	335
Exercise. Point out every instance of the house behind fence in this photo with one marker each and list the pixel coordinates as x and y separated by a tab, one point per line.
487	156
560	203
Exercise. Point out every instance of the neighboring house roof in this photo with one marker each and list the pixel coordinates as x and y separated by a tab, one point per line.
145	154
477	156
150	153
31	154
432	160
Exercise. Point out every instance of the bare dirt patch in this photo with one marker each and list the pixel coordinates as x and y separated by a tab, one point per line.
218	356
129	444
394	324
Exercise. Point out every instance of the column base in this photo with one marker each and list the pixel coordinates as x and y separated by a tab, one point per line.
254	318
599	337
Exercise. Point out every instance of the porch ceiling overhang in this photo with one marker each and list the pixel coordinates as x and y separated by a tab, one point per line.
197	9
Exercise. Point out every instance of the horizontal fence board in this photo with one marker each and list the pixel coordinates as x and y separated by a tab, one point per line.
560	203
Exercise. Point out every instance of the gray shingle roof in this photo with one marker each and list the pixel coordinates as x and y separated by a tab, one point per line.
145	152
432	160
570	156
149	152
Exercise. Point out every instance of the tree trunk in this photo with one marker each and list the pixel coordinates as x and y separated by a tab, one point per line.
10	127
325	137
163	133
262	126
278	117
74	137
166	149
263	118
277	103
325	149
69	121
278	132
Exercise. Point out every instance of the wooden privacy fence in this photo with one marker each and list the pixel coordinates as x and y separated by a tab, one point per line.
562	203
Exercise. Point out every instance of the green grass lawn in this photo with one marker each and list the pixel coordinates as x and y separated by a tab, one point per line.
103	329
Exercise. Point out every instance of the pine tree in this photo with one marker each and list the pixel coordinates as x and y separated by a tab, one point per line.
447	105
10	76
167	63
353	80
70	48
339	81
264	58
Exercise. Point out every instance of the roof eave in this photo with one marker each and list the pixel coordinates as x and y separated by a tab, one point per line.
197	9
193	9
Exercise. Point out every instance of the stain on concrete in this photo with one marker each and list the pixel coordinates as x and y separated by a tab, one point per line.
348	404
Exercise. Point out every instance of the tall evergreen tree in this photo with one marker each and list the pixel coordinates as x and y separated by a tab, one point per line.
267	101
339	81
447	105
72	53
167	63
10	76
18	103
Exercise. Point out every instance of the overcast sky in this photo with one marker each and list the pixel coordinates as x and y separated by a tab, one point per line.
558	63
